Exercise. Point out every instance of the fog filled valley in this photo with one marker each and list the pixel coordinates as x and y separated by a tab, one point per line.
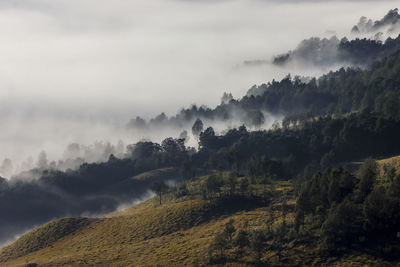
199	133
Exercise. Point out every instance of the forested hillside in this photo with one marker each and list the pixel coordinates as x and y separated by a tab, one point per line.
334	218
336	93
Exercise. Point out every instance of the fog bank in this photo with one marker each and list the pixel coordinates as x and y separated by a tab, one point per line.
77	72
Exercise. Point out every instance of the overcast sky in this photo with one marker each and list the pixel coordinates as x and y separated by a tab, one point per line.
74	70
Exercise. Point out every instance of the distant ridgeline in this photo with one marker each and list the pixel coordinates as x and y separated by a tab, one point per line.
340	92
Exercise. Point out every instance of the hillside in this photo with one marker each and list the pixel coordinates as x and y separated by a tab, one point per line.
180	232
93	189
138	236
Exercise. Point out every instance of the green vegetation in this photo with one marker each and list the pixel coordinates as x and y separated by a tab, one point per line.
352	212
336	214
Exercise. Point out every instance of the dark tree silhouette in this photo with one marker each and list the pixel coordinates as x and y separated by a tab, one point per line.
159	188
242	241
229	229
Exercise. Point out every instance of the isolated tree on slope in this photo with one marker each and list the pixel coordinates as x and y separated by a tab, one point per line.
229	229
159	188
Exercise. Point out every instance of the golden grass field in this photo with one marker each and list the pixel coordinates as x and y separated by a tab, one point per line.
145	235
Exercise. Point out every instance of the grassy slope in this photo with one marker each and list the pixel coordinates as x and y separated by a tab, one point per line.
178	233
45	236
144	235
175	233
